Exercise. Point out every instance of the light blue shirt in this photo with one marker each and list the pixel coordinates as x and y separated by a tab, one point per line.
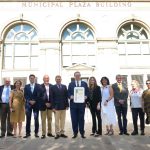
4	96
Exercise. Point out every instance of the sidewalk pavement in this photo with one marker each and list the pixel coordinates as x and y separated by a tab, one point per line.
104	142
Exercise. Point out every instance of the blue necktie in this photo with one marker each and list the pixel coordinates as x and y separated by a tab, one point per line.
7	95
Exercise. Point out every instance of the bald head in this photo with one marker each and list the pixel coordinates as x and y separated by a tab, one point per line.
46	79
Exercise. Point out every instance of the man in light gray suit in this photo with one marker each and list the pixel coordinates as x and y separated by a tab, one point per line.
120	100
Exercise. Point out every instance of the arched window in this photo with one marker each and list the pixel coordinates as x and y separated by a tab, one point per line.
133	45
78	45
20	47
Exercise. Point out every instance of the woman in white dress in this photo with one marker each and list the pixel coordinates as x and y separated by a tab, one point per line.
108	112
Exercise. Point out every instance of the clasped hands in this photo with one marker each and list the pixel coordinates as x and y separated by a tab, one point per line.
121	101
32	102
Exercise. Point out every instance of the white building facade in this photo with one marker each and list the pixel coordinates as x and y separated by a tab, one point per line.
96	38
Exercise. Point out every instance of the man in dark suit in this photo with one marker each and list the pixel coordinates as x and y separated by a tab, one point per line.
77	110
120	99
46	108
5	109
33	93
59	105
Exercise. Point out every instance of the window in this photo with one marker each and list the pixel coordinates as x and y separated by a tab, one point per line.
78	45
21	48
133	44
148	77
124	78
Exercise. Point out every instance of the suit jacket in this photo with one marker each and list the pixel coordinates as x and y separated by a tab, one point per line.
123	95
71	87
1	91
45	98
96	97
60	97
35	96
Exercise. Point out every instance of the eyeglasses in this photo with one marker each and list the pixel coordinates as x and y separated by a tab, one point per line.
148	83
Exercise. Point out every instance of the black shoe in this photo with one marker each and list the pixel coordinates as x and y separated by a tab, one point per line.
92	134
43	137
142	133
36	135
96	135
50	135
63	135
74	136
83	136
27	135
126	133
120	133
57	136
134	133
2	136
10	134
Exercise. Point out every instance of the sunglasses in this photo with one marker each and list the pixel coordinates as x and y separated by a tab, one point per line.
148	83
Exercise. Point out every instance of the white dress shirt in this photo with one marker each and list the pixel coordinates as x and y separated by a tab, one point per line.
32	87
78	82
47	90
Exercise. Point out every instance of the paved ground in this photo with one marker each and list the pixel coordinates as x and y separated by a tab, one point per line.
104	142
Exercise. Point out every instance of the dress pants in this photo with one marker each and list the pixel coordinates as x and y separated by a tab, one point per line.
28	119
77	118
96	116
60	116
5	118
122	118
46	114
135	113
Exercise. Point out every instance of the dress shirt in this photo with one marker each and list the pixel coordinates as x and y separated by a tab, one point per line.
47	90
4	96
78	82
32	87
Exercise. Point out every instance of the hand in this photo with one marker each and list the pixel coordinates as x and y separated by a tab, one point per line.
121	101
105	103
32	102
54	110
12	110
85	97
71	97
98	106
48	105
67	108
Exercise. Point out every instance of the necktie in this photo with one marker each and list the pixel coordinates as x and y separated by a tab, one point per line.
59	86
32	88
7	95
120	87
77	83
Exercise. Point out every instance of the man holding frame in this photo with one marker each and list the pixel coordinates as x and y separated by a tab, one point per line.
77	92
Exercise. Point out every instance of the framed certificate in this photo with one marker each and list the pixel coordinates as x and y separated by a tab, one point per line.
79	95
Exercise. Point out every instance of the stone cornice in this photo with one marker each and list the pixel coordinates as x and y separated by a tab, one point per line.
74	0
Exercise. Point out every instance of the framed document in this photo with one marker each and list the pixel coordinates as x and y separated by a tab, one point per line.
79	95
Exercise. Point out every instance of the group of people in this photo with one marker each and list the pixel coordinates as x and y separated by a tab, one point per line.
107	104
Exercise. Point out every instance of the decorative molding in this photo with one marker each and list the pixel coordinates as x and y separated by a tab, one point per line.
75	1
80	67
